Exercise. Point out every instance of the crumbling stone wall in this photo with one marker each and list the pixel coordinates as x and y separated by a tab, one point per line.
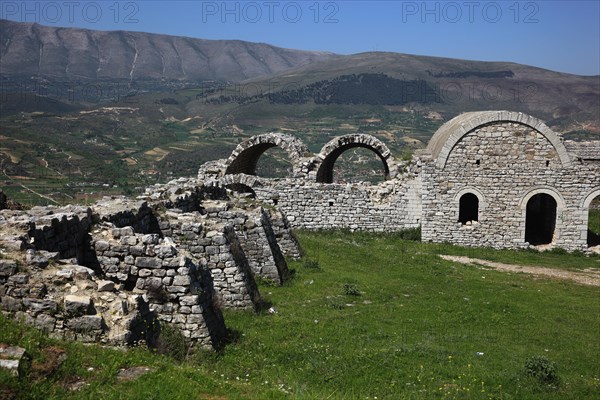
116	271
216	250
177	289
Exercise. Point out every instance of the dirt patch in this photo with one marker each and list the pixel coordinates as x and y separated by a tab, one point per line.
51	360
589	277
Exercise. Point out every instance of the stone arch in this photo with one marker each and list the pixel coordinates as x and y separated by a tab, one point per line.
560	201
555	214
587	200
589	238
244	158
250	181
448	135
481	202
324	162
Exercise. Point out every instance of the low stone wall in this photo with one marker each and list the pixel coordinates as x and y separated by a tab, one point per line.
176	289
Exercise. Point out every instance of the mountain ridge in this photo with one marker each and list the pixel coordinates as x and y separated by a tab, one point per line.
31	49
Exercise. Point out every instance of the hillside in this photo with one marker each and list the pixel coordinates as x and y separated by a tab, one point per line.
70	54
439	84
86	113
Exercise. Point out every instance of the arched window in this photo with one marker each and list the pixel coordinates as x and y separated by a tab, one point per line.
540	219
468	208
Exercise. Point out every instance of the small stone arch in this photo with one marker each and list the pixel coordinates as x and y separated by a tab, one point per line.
448	135
244	158
324	162
250	181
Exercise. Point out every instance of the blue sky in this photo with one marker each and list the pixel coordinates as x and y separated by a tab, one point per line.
558	35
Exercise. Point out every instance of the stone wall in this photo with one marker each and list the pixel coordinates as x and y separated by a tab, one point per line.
502	158
116	271
505	164
177	290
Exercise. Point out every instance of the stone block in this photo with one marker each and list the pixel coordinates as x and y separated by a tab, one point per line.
19	279
7	268
37	305
101	245
129	240
181	280
151	239
106	286
86	323
77	305
11	304
148	262
165	251
10	358
188	300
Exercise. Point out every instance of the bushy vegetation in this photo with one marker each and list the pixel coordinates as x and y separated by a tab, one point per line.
422	328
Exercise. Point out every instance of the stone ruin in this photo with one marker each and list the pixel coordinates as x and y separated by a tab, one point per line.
498	179
116	271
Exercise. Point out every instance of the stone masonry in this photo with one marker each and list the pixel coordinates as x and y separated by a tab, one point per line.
524	187
116	271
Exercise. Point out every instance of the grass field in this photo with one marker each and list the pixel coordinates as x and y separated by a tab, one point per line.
377	318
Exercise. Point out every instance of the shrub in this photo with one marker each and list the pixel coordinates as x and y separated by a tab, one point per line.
311	264
350	289
171	342
413	234
540	368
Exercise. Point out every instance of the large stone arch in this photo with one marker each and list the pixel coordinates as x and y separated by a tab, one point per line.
543	189
244	158
324	161
448	135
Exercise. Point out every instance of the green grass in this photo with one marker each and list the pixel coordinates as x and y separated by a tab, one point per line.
380	317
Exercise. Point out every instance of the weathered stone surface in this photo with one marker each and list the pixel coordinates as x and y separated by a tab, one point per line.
7	268
37	305
86	323
77	305
19	279
148	262
11	358
106	286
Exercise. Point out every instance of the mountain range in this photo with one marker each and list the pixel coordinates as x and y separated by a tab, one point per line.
88	113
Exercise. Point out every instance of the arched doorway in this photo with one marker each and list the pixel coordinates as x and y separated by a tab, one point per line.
593	233
540	219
